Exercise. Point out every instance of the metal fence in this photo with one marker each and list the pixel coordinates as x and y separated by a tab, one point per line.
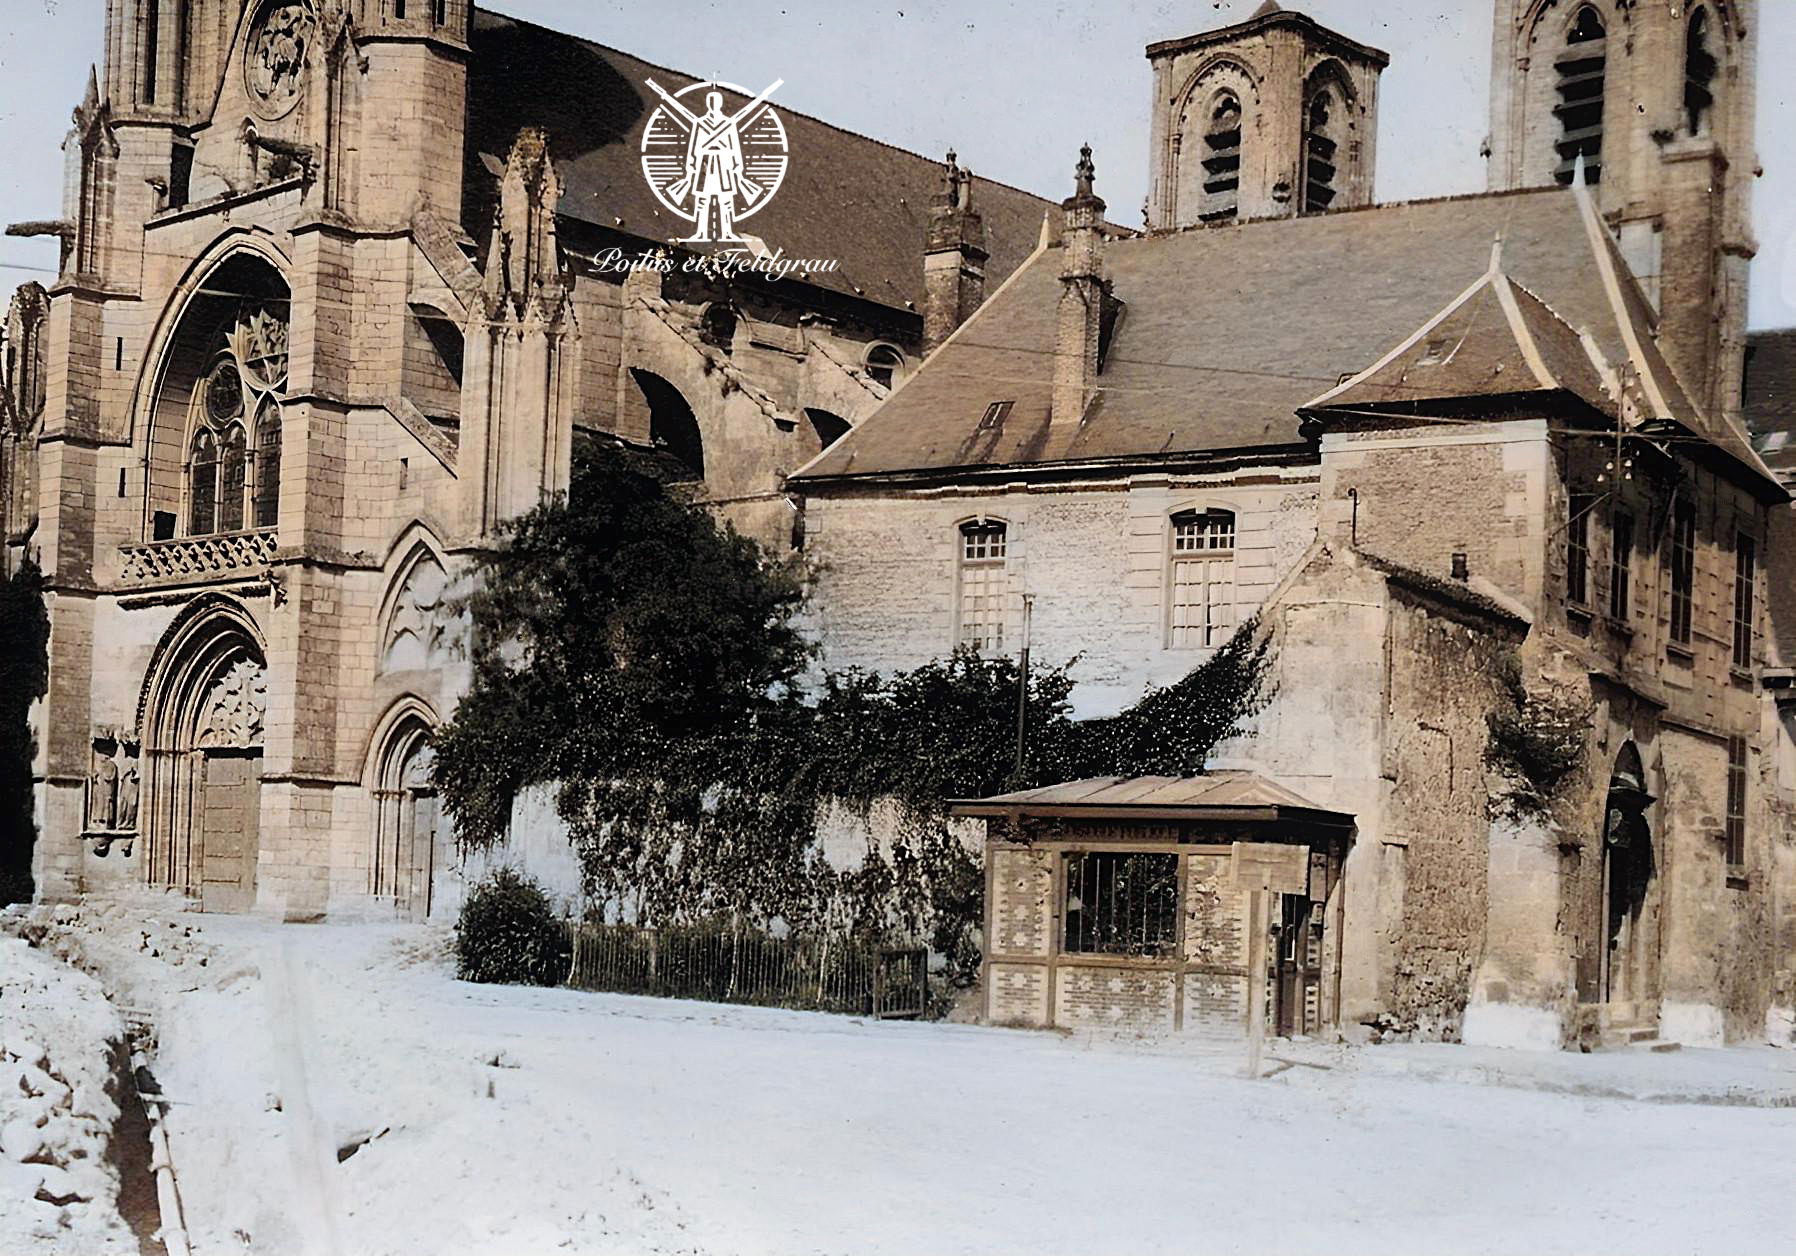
724	966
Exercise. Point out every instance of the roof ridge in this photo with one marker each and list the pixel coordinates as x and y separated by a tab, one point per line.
1164	233
797	113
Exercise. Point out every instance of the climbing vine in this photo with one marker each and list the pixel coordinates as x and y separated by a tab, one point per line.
1536	745
642	661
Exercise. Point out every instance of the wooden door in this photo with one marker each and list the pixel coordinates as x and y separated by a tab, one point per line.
230	811
422	855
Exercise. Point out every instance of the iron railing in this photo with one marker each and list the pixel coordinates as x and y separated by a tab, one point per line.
746	966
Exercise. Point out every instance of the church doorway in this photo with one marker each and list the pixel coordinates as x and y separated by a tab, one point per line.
202	776
411	854
1630	920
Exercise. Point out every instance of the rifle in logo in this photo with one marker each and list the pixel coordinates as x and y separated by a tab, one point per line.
714	169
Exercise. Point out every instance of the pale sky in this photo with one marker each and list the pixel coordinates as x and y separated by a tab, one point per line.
1014	85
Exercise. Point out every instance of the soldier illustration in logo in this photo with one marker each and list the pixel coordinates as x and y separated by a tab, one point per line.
713	175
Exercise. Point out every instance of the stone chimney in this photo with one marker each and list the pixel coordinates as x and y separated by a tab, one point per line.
953	258
1082	291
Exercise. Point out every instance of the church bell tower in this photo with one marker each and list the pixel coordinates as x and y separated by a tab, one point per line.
1268	118
1655	101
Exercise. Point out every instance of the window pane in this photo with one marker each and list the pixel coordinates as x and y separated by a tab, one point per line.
268	467
1121	904
202	488
1683	570
232	478
1745	577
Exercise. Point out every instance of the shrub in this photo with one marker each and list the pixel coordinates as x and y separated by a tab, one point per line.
508	933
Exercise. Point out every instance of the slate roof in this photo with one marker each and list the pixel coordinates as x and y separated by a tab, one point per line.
1770	397
1494	339
845	196
1223	794
1229	331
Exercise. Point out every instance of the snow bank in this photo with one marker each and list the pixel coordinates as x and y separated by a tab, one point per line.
335	1090
58	1036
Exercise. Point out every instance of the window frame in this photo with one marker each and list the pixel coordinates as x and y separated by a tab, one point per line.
1579	507
1213	630
1152	933
1621	564
1681	582
992	567
892	370
1745	599
1734	829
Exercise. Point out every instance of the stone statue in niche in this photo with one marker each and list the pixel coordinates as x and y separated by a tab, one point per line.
102	788
127	796
112	792
274	59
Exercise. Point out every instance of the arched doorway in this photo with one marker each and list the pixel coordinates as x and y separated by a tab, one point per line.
411	854
1630	921
204	704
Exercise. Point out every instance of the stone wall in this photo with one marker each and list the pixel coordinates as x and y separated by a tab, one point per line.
1094	557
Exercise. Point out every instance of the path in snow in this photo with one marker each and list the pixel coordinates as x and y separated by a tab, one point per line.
502	1120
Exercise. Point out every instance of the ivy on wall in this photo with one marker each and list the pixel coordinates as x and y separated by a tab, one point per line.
643	660
1536	746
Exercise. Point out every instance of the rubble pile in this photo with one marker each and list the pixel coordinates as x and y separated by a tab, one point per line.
60	1042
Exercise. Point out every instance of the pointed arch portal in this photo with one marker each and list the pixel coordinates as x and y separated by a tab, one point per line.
201	720
411	851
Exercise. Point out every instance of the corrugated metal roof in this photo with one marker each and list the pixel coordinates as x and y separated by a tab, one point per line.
1225	791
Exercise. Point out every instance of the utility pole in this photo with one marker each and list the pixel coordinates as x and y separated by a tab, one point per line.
1022	690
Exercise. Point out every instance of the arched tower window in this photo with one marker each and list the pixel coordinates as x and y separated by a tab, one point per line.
229	479
1222	159
1582	67
1700	68
1320	142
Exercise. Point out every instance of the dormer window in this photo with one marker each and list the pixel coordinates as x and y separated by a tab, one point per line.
883	363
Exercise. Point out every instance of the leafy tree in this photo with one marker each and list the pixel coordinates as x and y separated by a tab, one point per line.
608	636
643	660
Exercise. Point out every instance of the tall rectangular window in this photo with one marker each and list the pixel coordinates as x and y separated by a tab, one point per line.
1202	612
1683	570
1621	560
1121	904
983	585
1577	550
1736	802
1745	587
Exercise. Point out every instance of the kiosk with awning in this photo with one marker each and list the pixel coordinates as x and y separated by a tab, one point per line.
1127	903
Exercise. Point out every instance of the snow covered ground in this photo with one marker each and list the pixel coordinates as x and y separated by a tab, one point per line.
335	1091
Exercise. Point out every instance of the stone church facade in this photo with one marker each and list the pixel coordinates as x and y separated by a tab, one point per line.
1448	453
333	307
